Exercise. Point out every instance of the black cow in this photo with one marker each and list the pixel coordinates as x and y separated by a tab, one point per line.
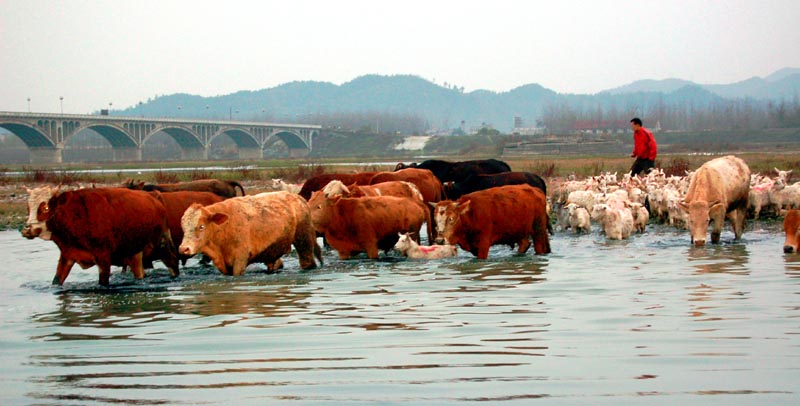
454	190
458	171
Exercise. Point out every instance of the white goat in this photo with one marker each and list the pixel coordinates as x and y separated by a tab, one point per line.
408	247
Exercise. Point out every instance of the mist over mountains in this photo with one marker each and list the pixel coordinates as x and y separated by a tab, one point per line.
444	106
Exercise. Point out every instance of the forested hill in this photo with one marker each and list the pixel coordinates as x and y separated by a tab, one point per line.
425	105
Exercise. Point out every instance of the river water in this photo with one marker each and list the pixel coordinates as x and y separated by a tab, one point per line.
649	320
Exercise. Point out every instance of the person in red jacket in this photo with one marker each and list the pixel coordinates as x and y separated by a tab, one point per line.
644	148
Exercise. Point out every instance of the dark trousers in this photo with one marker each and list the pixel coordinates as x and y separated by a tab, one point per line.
642	165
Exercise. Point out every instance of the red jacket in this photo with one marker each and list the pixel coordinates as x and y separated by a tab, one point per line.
644	144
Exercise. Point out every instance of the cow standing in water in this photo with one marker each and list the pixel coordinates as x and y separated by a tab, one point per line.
366	224
103	227
249	229
502	215
720	188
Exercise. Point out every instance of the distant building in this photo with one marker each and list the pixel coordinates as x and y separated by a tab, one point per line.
529	131
518	122
601	126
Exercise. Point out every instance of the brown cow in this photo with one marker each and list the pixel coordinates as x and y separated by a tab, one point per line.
318	182
248	229
176	204
37	202
394	188
502	215
720	187
429	186
223	188
791	226
366	224
105	227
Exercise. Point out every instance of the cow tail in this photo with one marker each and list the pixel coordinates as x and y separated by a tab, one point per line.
235	185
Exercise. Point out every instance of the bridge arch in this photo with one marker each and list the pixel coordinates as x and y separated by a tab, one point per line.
185	138
292	139
32	137
116	136
242	138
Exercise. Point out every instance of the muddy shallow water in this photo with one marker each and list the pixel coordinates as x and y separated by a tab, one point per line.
650	320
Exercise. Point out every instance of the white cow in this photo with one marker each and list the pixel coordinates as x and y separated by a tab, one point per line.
720	188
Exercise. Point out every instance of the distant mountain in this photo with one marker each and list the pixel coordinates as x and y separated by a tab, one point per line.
783	84
650	85
444	107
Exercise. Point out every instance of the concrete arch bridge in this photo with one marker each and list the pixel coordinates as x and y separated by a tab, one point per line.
46	134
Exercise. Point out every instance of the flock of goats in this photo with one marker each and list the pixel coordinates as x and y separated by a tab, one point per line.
635	201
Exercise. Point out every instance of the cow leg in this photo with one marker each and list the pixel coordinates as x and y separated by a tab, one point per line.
524	244
273	267
169	254
715	233
104	265
306	246
372	251
738	222
136	265
62	271
219	262
239	264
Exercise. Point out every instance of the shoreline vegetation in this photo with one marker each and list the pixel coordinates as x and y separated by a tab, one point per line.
256	176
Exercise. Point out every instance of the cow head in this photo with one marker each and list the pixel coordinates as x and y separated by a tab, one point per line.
401	165
198	224
791	225
700	213
39	211
447	215
133	184
321	210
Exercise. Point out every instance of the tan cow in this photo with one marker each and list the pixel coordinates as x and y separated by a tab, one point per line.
791	225
720	188
248	229
366	224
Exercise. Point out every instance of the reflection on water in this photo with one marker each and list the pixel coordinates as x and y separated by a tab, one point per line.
596	322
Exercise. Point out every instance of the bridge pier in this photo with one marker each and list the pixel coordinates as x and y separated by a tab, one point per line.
128	154
46	155
250	153
194	154
298	152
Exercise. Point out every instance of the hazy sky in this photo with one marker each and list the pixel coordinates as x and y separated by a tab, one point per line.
96	52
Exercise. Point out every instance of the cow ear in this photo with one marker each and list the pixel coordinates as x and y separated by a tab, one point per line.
776	170
684	205
219	218
715	205
433	204
463	208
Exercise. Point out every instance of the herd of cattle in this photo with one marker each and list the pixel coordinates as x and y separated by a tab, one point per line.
471	204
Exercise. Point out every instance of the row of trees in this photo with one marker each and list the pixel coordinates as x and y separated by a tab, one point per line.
715	115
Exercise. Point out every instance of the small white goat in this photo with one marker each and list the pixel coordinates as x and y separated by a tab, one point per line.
280	185
408	247
578	218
